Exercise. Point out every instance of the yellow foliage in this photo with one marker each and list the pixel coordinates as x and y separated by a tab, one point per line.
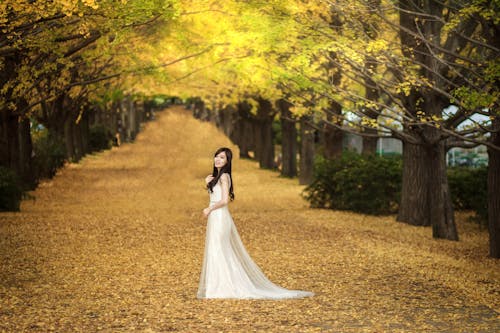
115	243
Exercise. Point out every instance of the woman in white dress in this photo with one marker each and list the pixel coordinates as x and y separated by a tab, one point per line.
228	271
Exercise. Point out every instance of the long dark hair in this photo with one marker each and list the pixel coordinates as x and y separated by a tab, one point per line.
225	169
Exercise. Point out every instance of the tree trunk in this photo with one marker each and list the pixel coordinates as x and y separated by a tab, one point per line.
123	123
26	170
243	130
425	195
139	115
148	110
130	110
264	147
306	151
9	137
288	140
13	142
247	142
68	139
441	209
4	138
227	121
243	137
16	147
332	136
369	143
9	140
428	102
371	92
84	130
77	139
200	110
494	191
414	205
263	129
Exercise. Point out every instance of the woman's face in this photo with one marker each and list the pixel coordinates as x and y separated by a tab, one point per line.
220	159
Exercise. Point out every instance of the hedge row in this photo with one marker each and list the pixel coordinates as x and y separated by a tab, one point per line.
49	155
372	185
369	185
10	190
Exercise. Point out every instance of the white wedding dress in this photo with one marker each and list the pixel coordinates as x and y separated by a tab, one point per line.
228	271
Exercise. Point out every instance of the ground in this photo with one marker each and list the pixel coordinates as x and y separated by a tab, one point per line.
115	244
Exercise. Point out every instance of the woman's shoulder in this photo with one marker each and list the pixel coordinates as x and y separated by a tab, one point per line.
225	176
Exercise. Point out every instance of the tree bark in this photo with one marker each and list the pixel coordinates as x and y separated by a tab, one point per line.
9	139
227	120
441	209
123	122
425	195
371	90
494	191
371	94
414	205
68	139
16	147
433	181
332	136
13	142
306	151
131	124
4	138
26	171
369	143
288	140
243	130
85	130
77	139
263	129
139	115
247	142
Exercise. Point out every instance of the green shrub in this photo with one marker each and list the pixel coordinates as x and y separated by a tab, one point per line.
50	154
10	190
100	138
469	190
364	184
372	185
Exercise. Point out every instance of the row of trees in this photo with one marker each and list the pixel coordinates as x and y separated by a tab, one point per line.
424	72
63	67
419	71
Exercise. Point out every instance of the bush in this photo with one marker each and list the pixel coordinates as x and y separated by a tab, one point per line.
49	154
364	184
100	138
372	185
469	190
10	190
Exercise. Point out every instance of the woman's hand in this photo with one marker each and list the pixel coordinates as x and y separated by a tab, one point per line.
206	211
209	178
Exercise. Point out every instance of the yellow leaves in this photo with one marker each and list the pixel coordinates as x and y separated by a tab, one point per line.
300	110
93	3
369	122
84	29
404	88
377	45
436	120
109	244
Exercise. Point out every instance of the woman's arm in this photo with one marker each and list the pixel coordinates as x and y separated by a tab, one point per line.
224	179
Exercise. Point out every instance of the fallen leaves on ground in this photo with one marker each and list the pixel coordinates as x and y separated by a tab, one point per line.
115	244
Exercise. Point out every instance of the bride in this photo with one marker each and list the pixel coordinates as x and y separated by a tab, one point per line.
228	271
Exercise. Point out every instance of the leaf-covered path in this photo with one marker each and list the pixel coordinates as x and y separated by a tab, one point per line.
115	244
